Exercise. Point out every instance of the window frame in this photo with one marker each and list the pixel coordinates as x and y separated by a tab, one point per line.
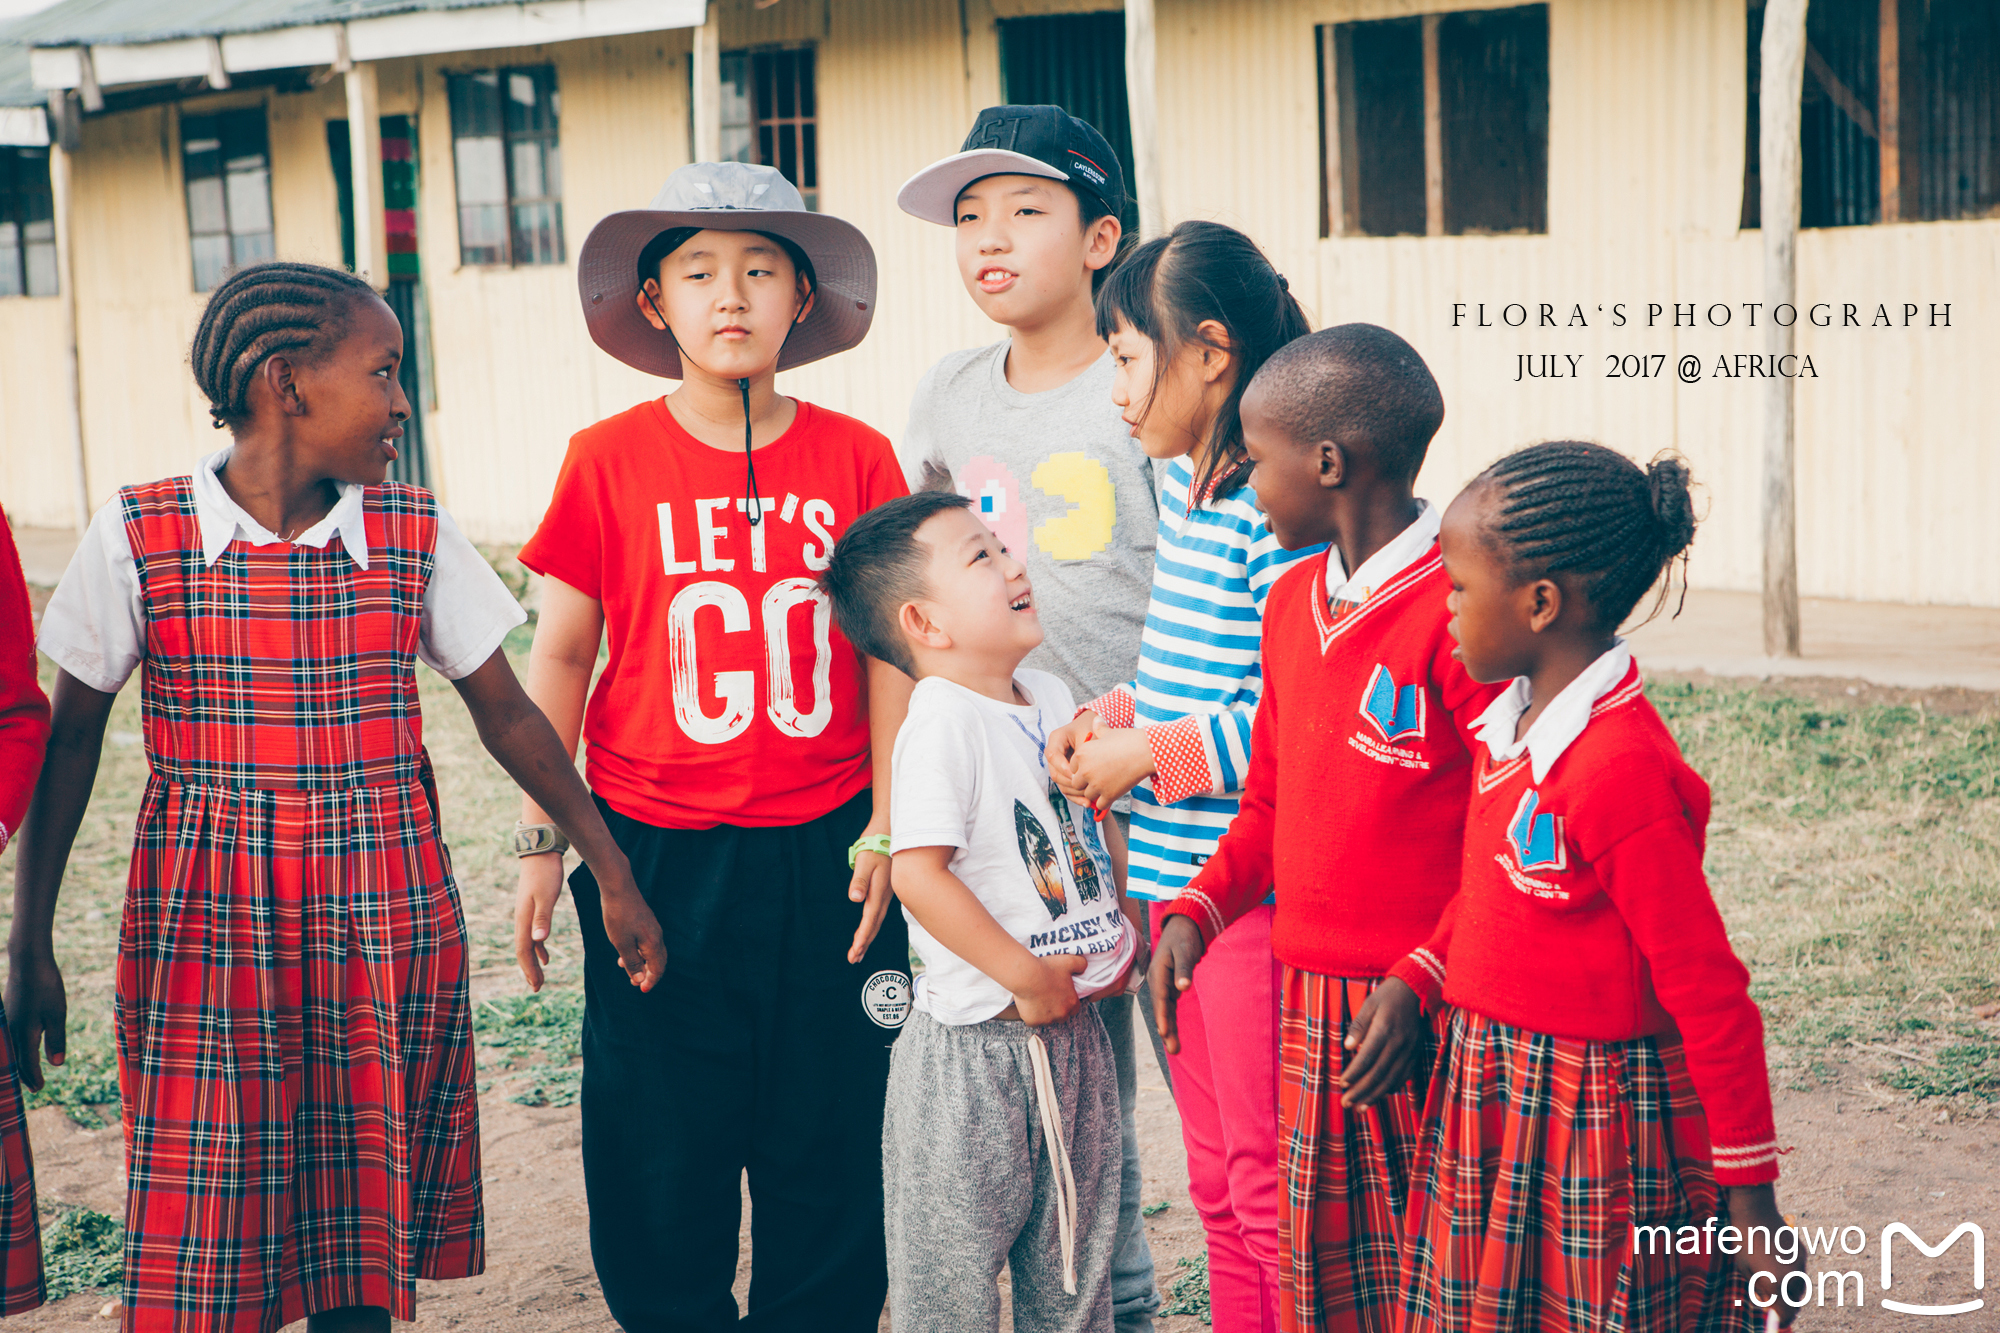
1341	203
548	138
17	212
756	127
239	252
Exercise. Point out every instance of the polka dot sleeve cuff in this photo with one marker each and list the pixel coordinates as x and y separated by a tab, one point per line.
1182	766
1114	708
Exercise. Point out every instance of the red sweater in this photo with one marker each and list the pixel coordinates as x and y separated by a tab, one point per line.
1360	759
1584	914
24	712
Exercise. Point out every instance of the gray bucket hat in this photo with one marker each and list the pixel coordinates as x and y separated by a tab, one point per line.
725	196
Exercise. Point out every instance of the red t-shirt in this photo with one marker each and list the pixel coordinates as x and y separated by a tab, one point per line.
730	697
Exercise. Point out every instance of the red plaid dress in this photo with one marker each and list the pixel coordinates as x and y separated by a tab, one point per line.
1540	1154
21	1286
1346	1174
294	1032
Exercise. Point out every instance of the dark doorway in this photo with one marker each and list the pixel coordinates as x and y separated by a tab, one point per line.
1076	62
405	296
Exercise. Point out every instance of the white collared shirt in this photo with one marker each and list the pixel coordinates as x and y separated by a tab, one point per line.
1402	551
1560	723
94	626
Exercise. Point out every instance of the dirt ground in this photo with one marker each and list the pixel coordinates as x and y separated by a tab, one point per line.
1859	1156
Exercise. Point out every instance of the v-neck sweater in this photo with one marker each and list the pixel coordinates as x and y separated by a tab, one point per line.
1360	759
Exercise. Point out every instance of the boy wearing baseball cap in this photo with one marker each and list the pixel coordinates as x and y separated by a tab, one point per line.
730	753
1027	429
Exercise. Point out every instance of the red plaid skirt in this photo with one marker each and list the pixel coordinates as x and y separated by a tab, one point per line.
21	1286
1539	1156
294	1029
1346	1174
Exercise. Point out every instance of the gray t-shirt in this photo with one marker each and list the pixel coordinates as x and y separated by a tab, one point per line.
1062	482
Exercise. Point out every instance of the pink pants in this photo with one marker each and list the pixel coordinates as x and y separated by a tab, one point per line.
1226	1088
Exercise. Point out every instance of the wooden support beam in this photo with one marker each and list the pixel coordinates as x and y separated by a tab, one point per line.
705	90
364	141
1433	132
1888	113
59	189
1783	81
1143	107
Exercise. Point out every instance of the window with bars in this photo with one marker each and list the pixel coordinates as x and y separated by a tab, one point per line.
1899	116
770	114
27	224
1435	125
507	155
226	164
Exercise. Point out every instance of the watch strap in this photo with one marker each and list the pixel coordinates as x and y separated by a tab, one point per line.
867	842
534	839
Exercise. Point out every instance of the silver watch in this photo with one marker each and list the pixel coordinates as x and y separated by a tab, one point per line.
534	839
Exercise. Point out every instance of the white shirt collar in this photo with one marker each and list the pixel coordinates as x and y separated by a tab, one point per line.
1560	723
222	518
1404	549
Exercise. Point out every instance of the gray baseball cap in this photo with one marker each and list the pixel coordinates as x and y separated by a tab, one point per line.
725	196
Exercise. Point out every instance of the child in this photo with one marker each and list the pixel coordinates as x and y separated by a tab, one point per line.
1563	1117
1001	1142
730	751
1354	807
1190	317
24	730
294	1033
1026	427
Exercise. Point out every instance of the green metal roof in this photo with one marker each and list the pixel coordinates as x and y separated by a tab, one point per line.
16	89
130	22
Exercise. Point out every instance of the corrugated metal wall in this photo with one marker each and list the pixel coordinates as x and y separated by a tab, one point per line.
1898	469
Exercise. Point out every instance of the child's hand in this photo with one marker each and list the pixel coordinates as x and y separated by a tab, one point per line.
634	931
1757	1206
1181	947
1383	1044
1052	997
1108	765
534	913
37	1010
870	888
1062	744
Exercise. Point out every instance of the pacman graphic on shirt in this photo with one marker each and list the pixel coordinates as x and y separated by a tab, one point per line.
996	498
1038	853
1537	839
1395	712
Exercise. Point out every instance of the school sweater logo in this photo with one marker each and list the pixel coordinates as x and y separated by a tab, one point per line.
1396	713
1537	839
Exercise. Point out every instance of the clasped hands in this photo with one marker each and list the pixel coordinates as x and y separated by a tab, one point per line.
1093	764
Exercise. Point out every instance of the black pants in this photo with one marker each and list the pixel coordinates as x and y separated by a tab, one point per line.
756	1050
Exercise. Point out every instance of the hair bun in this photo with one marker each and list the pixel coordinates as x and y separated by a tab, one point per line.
1669	484
1284	283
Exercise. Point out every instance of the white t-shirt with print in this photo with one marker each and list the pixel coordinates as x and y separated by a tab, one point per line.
969	774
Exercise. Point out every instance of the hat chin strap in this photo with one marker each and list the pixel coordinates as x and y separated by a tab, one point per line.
753	501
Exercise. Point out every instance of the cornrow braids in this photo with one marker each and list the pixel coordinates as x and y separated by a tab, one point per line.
256	313
1567	505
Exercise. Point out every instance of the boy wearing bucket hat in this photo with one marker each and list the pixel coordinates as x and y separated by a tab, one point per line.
1026	427
730	751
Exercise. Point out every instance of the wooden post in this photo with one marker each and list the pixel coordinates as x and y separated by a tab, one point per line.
1144	108
1784	64
1888	114
705	88
364	145
59	189
1433	132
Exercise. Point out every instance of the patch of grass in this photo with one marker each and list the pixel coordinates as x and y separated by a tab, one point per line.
544	1032
1190	1290
1970	1068
1155	1209
84	1250
1855	854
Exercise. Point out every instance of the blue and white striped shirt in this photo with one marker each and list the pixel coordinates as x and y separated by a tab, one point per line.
1199	675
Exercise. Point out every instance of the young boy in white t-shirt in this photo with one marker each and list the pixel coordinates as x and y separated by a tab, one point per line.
1000	1144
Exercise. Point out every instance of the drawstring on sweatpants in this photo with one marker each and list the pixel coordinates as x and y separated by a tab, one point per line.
1065	1179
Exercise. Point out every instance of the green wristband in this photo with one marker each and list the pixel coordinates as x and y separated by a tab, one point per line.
867	842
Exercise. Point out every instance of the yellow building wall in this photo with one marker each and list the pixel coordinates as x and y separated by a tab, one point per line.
37	471
1896	461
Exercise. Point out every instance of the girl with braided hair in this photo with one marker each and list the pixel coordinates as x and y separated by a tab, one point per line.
294	1032
1598	1147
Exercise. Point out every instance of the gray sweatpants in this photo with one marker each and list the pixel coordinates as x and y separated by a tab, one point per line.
968	1182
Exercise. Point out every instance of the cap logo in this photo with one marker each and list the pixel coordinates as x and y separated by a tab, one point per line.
1086	168
996	133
